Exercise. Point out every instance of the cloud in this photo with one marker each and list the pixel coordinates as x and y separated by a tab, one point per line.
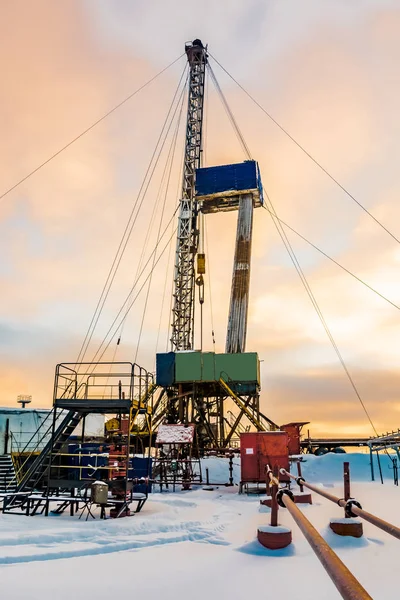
326	71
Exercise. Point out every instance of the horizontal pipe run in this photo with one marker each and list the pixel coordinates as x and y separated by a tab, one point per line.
348	586
359	512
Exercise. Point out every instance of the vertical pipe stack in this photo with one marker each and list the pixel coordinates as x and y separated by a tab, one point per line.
237	320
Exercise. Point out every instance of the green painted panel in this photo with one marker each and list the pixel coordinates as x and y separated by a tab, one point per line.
207	366
187	366
238	367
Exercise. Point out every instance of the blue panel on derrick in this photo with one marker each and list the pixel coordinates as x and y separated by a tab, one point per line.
224	178
165	369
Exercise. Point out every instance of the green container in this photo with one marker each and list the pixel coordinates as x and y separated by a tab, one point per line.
238	367
208	366
194	366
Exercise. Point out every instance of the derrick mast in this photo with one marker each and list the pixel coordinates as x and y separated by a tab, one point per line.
188	234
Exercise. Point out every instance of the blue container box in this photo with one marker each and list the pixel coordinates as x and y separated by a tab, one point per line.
165	369
228	179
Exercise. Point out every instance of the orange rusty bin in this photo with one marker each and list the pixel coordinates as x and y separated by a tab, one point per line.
259	449
294	433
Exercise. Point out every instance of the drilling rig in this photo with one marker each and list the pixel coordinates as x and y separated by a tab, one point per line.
197	386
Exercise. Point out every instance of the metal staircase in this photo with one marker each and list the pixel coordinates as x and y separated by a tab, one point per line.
40	465
103	388
7	474
242	405
258	420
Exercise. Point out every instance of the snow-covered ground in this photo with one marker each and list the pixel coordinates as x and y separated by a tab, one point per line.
201	544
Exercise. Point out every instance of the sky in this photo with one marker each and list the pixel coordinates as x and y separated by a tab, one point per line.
326	71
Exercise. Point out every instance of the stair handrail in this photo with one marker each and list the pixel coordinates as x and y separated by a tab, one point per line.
18	471
27	475
256	422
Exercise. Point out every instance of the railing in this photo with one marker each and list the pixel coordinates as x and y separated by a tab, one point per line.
351	506
90	381
346	583
27	452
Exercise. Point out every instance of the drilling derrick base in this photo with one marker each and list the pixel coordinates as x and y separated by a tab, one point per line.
218	392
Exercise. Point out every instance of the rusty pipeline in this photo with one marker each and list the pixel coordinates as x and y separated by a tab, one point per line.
273	476
352	507
347	585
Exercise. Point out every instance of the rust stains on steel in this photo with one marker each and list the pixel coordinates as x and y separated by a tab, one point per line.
350	506
237	320
348	586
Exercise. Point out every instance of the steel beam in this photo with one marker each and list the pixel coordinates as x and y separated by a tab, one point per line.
237	320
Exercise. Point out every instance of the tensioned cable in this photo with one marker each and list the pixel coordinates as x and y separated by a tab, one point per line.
180	100
175	136
178	192
134	285
306	152
163	297
144	247
130	224
128	229
78	137
229	112
310	293
179	179
333	260
169	162
300	272
132	303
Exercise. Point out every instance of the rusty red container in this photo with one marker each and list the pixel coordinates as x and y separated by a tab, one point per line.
294	432
259	449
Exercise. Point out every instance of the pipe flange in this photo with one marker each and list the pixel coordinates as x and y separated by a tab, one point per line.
279	495
347	509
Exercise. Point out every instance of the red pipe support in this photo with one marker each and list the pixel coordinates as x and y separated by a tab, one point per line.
347	585
355	510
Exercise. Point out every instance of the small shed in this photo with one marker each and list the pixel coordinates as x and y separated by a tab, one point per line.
174	463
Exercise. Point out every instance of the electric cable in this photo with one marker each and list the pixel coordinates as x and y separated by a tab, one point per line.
333	260
310	156
129	227
78	137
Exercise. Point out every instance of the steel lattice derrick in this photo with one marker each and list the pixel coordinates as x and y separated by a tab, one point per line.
188	234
